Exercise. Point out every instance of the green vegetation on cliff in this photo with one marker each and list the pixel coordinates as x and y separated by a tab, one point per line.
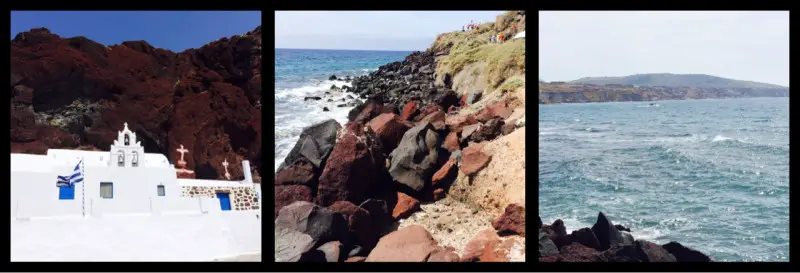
675	80
503	60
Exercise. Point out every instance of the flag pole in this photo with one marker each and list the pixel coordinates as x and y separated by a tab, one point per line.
83	190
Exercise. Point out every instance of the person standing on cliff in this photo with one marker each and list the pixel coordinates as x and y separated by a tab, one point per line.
462	28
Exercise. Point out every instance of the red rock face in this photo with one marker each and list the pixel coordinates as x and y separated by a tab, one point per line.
499	109
352	172
390	129
473	159
445	175
207	99
512	221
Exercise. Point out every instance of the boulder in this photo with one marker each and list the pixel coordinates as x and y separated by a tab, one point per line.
468	130
607	234
498	109
585	237
456	122
301	172
444	255
290	244
333	251
622	228
355	168
507	128
413	162
312	98
579	253
436	119
405	207
332	78
546	246
389	109
320	223
314	145
445	175
512	221
489	131
364	230
451	142
685	254
486	246
623	253
390	129
410	110
379	211
447	98
473	160
651	252
363	112
410	244
288	194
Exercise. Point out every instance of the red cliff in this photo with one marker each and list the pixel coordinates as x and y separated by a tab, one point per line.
74	92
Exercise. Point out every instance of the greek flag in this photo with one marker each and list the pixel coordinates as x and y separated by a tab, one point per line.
68	181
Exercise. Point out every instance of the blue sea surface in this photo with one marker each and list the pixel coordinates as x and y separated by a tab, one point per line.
301	73
710	174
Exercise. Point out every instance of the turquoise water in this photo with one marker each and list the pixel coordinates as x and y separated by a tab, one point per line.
710	174
301	73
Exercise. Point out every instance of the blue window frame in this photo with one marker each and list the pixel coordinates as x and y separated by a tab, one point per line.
66	193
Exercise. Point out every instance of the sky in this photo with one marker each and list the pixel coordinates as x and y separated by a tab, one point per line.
749	45
173	30
369	30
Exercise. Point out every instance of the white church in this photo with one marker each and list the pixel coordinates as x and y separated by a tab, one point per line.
128	206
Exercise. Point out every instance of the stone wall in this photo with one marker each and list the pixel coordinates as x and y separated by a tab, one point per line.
242	198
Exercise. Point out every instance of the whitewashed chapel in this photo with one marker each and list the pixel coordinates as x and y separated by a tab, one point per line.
126	181
122	180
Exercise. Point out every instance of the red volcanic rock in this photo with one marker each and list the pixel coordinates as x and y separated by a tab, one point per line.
499	109
300	172
409	111
438	194
410	244
445	175
436	119
579	253
451	142
365	112
512	221
429	109
487	247
353	170
455	123
286	195
390	129
406	205
360	223
473	159
443	255
207	99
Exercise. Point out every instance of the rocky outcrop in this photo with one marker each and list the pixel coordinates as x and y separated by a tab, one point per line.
415	159
81	92
605	242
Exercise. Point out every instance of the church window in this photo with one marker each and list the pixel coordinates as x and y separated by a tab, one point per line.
127	140
106	190
121	158
135	159
66	193
161	191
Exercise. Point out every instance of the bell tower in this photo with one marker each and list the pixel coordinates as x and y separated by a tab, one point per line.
126	152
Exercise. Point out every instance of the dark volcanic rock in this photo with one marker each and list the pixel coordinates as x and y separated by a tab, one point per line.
546	247
314	145
414	160
207	98
447	98
362	227
320	223
366	111
585	237
606	233
622	228
685	254
290	244
474	96
354	170
312	98
651	252
579	253
332	78
489	131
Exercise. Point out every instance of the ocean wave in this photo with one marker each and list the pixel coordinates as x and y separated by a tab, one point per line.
317	87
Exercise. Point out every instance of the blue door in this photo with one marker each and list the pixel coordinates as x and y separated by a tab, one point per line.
224	200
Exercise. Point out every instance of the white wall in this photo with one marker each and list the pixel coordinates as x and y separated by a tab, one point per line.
188	237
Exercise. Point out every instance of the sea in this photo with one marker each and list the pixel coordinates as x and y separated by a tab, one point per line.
301	73
710	174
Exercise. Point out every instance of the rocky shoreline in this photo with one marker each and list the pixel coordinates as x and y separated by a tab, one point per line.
606	242
347	192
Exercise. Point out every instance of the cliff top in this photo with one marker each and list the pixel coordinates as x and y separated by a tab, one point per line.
676	80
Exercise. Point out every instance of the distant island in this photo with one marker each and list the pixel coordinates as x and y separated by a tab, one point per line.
650	87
